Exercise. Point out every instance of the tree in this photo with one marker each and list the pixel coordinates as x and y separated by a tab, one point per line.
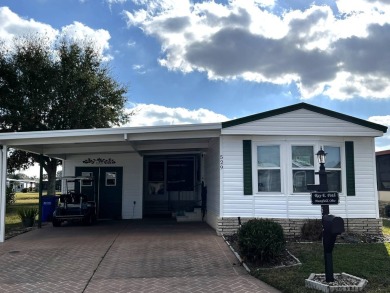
17	176
55	87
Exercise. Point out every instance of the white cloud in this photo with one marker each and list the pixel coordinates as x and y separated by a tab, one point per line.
80	32
342	56
384	120
382	143
131	44
362	6
151	115
139	68
110	2
13	25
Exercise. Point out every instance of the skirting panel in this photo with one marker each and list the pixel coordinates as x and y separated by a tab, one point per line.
292	227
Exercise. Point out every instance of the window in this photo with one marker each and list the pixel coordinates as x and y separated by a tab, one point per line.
288	167
383	172
110	178
302	167
333	167
268	168
86	182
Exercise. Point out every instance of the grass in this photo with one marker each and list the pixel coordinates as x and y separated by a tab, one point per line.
25	200
386	226
370	261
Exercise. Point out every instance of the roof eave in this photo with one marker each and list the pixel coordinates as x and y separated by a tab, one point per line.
305	106
107	131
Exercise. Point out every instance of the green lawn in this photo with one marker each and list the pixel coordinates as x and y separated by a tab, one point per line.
368	261
12	220
386	226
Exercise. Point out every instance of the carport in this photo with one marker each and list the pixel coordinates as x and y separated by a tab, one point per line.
124	148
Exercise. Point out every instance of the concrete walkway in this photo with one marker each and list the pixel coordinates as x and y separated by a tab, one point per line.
124	256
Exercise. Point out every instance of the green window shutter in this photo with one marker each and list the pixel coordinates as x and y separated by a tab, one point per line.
247	155
350	167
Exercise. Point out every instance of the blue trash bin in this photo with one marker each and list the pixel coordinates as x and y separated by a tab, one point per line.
49	204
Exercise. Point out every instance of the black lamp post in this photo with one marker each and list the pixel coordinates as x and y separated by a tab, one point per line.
323	177
332	226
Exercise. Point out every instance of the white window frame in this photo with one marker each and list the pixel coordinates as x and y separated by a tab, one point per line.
255	168
86	183
286	170
342	163
291	169
110	185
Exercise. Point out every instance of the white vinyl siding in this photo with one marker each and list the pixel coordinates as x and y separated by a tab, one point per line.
301	122
234	202
366	200
288	204
212	181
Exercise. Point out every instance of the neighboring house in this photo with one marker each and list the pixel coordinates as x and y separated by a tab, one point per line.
383	177
256	166
19	184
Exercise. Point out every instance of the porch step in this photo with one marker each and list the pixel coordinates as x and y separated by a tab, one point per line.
195	216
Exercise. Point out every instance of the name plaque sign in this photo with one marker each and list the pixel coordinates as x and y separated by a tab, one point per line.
324	198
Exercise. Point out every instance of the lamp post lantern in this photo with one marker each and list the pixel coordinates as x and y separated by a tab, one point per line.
323	177
321	156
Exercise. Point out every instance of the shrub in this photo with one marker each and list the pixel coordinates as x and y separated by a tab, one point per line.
24	213
24	190
387	210
27	215
312	230
9	195
261	240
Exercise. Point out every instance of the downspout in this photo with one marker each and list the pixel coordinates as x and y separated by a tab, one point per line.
3	178
40	190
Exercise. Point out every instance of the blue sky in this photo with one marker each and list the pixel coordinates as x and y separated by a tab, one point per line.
207	61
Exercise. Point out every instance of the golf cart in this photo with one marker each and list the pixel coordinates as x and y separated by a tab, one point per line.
75	206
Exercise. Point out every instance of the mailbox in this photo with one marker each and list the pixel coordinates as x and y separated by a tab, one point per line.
333	224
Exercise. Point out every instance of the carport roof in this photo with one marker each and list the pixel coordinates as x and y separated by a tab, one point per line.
59	143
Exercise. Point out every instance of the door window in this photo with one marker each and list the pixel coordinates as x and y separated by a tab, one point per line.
110	178
86	182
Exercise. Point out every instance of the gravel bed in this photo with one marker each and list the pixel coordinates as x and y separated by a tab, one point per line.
339	280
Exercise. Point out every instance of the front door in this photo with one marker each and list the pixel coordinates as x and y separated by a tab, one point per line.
106	189
170	185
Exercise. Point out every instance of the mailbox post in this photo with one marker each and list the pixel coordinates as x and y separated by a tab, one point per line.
332	225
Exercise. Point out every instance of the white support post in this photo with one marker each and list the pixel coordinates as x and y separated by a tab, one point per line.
3	183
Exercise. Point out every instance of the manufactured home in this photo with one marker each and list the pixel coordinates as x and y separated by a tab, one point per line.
19	185
252	167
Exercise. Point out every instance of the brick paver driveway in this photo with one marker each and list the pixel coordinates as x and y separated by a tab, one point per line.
123	256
